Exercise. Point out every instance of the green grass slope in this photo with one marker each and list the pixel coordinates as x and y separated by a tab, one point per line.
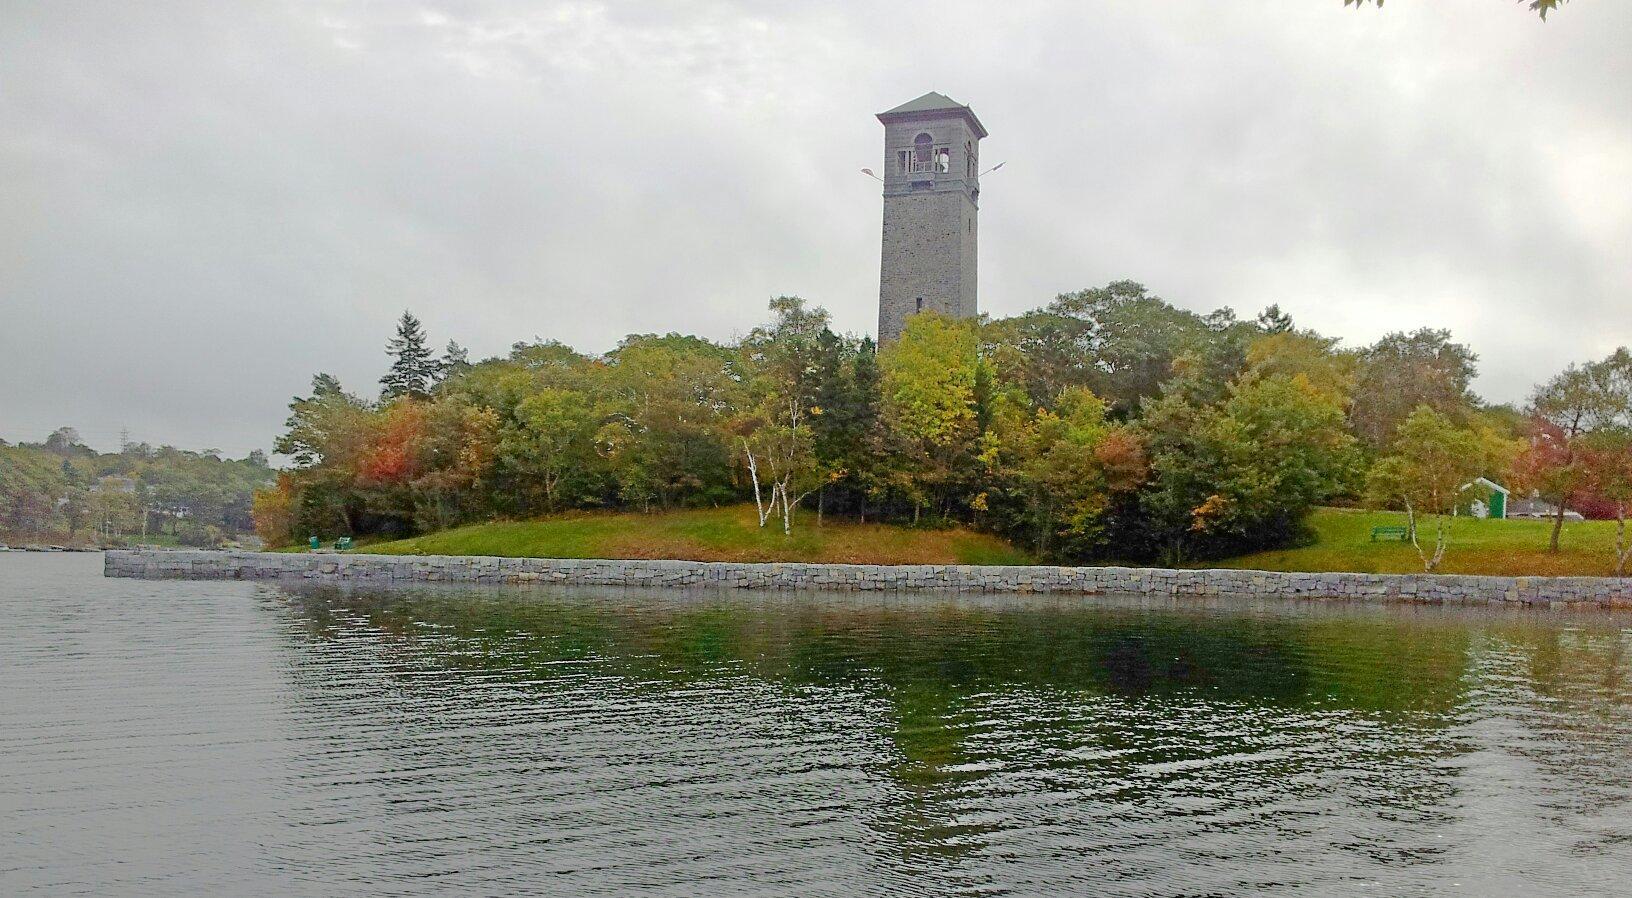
714	534
1342	543
1512	548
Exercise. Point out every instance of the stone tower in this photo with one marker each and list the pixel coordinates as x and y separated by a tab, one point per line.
931	194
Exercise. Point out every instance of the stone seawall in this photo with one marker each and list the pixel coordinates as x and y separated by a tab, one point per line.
386	570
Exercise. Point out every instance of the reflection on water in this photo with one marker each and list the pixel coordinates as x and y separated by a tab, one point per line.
232	737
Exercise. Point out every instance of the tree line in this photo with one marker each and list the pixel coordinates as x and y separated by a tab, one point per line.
1108	425
61	488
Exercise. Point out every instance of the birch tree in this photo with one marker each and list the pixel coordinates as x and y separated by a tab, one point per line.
1431	466
782	366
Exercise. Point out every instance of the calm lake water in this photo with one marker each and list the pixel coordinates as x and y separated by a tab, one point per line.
169	738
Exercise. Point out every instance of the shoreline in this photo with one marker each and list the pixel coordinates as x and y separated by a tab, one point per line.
389	570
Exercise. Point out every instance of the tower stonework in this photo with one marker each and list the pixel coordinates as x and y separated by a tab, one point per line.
931	195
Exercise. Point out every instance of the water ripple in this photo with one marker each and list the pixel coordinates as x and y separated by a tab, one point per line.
233	738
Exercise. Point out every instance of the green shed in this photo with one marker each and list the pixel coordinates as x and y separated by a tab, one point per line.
1496	505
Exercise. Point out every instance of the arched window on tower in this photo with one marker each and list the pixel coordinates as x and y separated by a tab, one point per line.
925	156
923	152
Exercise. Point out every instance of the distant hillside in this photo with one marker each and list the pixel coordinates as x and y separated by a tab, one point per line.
62	491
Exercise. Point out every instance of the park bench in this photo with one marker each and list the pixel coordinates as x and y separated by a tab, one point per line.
343	543
1399	533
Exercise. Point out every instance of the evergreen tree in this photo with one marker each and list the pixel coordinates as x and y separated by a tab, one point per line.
413	368
325	385
1274	321
455	361
868	466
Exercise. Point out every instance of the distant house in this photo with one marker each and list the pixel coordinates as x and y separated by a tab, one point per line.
1495	505
1535	509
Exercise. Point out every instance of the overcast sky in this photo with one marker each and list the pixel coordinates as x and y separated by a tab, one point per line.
201	204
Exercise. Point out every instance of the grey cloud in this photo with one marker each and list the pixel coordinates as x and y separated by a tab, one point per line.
202	204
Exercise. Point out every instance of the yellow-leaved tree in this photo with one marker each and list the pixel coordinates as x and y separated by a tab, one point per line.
929	381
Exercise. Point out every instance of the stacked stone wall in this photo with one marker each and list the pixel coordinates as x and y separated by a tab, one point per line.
386	570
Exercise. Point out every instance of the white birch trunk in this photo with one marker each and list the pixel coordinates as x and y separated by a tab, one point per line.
753	474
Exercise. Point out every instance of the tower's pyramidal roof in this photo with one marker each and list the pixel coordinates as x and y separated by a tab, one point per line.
927	103
932	102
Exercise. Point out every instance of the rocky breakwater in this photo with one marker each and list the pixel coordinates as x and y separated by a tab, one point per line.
384	570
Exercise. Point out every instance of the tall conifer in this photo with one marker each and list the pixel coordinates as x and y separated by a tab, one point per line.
414	368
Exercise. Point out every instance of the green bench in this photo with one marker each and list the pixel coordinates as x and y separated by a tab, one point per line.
1399	533
343	543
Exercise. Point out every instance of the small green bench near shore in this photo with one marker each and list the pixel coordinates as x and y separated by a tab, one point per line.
1399	533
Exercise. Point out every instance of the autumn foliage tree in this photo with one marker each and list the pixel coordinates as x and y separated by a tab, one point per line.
274	509
1564	411
1404	371
930	375
1107	424
1245	472
1053	475
1607	458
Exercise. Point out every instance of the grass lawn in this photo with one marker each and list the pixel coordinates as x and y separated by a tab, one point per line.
714	534
1514	548
1343	543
